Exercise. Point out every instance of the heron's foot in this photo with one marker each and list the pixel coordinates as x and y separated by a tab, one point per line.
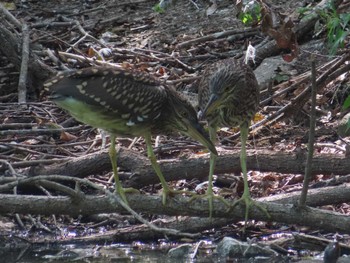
121	192
131	190
167	191
211	196
249	203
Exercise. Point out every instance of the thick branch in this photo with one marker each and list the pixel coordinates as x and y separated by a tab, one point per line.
178	205
331	195
96	163
197	166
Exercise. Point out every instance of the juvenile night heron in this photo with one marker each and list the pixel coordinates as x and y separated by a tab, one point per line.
229	96
129	104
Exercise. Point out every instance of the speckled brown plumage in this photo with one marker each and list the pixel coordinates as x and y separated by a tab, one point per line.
229	96
240	89
126	103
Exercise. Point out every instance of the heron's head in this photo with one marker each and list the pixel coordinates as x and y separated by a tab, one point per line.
221	86
184	118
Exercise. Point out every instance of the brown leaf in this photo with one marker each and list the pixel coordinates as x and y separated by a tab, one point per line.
66	136
288	57
280	27
161	71
91	52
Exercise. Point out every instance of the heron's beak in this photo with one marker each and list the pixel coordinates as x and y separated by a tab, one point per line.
196	131
211	105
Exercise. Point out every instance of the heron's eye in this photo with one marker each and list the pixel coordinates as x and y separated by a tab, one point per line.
227	88
184	114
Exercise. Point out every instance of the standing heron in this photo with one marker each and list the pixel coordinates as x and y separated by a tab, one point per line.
229	96
127	103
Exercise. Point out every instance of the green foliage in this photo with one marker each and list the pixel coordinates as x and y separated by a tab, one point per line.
281	78
250	14
346	103
157	8
303	11
348	125
337	27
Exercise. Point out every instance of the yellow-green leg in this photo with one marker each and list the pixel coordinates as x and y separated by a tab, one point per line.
248	201
166	189
155	165
209	194
212	163
118	186
113	156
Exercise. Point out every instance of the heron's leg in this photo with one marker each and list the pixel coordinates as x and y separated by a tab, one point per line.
243	158
118	186
249	202
209	194
212	163
113	156
166	189
155	165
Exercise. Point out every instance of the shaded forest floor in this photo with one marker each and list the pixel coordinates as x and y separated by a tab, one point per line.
38	139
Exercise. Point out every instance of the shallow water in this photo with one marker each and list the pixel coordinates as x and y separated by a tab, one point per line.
107	253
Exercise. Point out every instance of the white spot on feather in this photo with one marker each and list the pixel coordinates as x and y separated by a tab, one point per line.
130	123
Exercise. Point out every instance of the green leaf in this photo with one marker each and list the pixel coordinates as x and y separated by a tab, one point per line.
251	14
338	41
347	127
344	18
303	10
281	78
346	104
333	25
158	9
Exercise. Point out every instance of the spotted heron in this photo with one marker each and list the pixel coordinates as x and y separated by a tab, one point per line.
229	96
126	103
